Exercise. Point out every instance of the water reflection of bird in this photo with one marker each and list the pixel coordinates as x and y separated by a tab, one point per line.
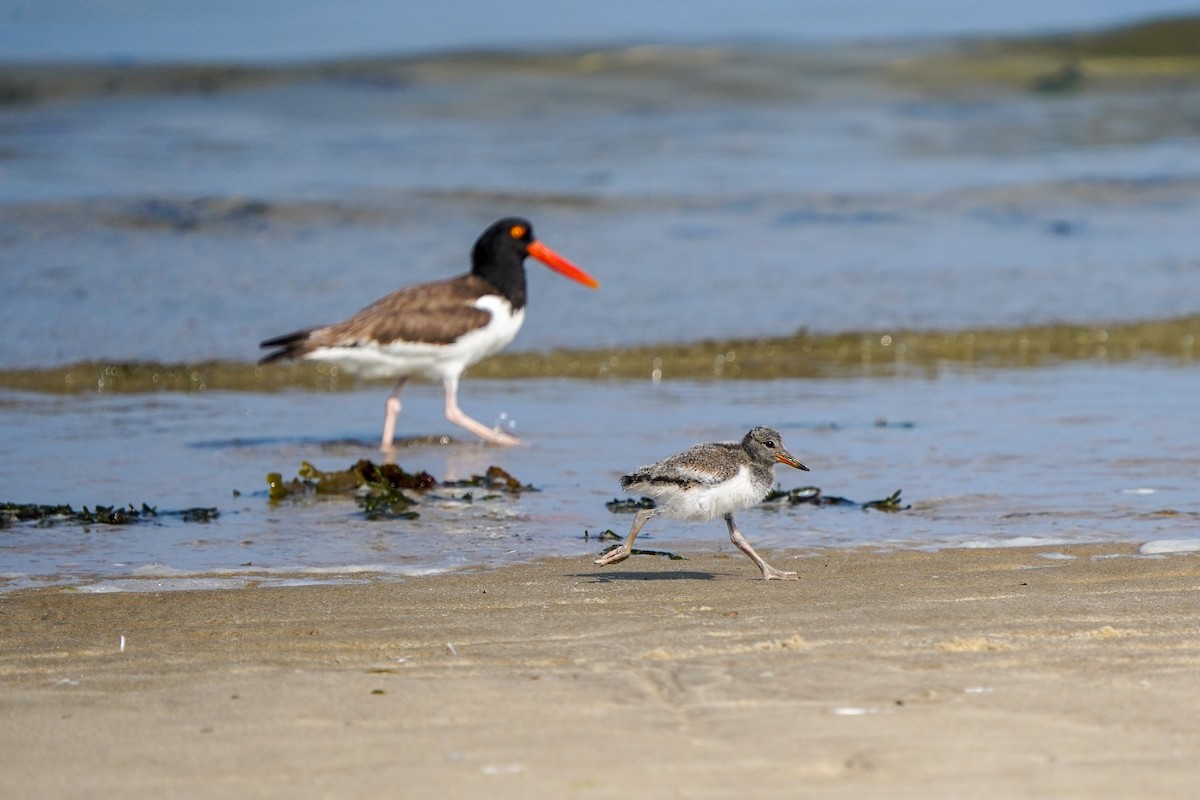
438	329
709	481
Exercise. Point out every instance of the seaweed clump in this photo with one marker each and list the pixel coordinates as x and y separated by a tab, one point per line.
494	478
619	506
45	515
365	472
379	489
610	534
813	496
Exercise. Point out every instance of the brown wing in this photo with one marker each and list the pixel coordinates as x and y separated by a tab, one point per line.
700	465
431	313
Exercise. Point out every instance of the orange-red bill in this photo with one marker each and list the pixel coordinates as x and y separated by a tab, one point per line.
790	460
556	262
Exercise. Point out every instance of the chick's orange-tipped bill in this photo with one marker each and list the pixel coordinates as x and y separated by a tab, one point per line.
556	262
790	460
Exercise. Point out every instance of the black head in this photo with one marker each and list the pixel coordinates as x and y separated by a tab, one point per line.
500	252
505	241
765	445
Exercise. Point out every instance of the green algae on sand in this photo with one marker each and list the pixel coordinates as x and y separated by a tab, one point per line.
801	355
1153	52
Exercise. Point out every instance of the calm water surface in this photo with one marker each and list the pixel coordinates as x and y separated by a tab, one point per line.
1078	453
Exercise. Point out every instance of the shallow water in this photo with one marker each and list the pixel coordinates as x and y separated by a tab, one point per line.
1078	453
174	213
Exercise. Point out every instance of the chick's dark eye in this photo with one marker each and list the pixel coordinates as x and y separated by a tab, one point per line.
769	442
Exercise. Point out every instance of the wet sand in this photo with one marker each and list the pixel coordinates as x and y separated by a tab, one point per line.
1009	672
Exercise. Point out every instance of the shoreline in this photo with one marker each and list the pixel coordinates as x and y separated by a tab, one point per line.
925	674
251	578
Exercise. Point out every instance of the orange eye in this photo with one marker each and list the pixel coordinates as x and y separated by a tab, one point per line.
517	231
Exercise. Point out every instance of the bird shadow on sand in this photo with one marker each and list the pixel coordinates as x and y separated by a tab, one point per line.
672	575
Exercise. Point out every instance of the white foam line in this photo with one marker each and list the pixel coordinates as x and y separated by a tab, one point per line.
1163	546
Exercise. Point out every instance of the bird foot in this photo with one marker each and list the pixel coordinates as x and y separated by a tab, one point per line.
618	553
502	438
770	573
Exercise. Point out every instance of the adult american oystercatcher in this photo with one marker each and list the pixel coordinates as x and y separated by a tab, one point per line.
709	481
437	329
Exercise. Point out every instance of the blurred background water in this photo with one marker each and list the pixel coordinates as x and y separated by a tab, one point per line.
724	169
299	30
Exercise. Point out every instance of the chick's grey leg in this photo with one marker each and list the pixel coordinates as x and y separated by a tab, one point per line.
768	572
623	551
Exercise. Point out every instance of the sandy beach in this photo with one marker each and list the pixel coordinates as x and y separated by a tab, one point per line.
1064	672
948	250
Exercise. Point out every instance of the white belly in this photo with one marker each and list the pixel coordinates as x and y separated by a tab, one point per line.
704	502
434	361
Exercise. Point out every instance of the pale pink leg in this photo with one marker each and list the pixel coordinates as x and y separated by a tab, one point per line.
456	415
391	411
623	551
768	572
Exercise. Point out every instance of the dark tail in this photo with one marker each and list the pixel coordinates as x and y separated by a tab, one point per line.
291	345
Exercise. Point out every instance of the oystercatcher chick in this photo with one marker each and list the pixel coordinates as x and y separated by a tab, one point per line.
436	330
709	481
